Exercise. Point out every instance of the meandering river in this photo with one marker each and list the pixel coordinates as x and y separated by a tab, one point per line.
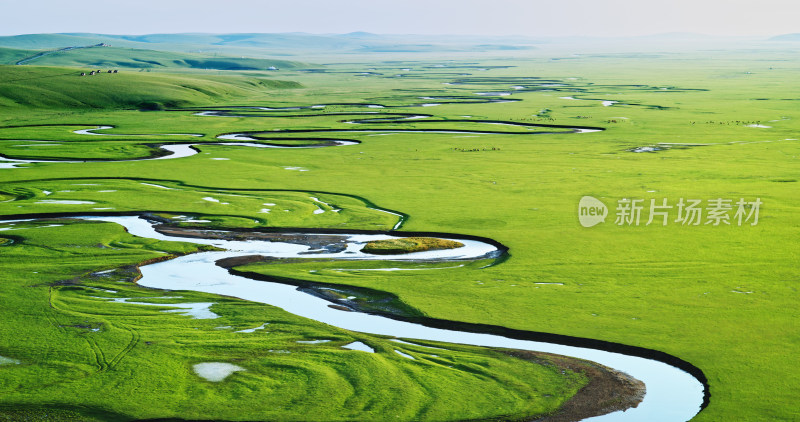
672	394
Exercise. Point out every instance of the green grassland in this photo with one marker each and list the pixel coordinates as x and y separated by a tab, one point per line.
225	208
12	55
63	88
134	58
146	355
720	297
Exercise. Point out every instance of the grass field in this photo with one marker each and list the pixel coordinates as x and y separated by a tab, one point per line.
64	88
720	297
139	59
95	343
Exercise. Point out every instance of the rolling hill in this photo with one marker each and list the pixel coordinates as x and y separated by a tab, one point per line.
786	37
102	55
54	87
12	55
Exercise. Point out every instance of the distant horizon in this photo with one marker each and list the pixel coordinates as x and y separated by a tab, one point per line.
387	34
523	18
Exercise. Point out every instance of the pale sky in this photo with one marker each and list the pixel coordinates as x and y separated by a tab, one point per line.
537	18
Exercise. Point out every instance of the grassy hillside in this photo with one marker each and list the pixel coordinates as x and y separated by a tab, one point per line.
47	41
95	56
12	55
52	87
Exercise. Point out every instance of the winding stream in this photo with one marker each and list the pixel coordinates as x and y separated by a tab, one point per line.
187	149
672	394
181	150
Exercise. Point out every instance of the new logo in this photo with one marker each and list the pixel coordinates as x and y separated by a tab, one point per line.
591	211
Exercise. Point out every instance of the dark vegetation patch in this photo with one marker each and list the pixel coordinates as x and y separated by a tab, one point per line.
153	62
343	297
314	241
476	149
408	245
152	106
217	64
608	390
55	412
16	194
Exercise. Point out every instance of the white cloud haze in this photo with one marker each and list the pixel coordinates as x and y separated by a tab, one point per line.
479	17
